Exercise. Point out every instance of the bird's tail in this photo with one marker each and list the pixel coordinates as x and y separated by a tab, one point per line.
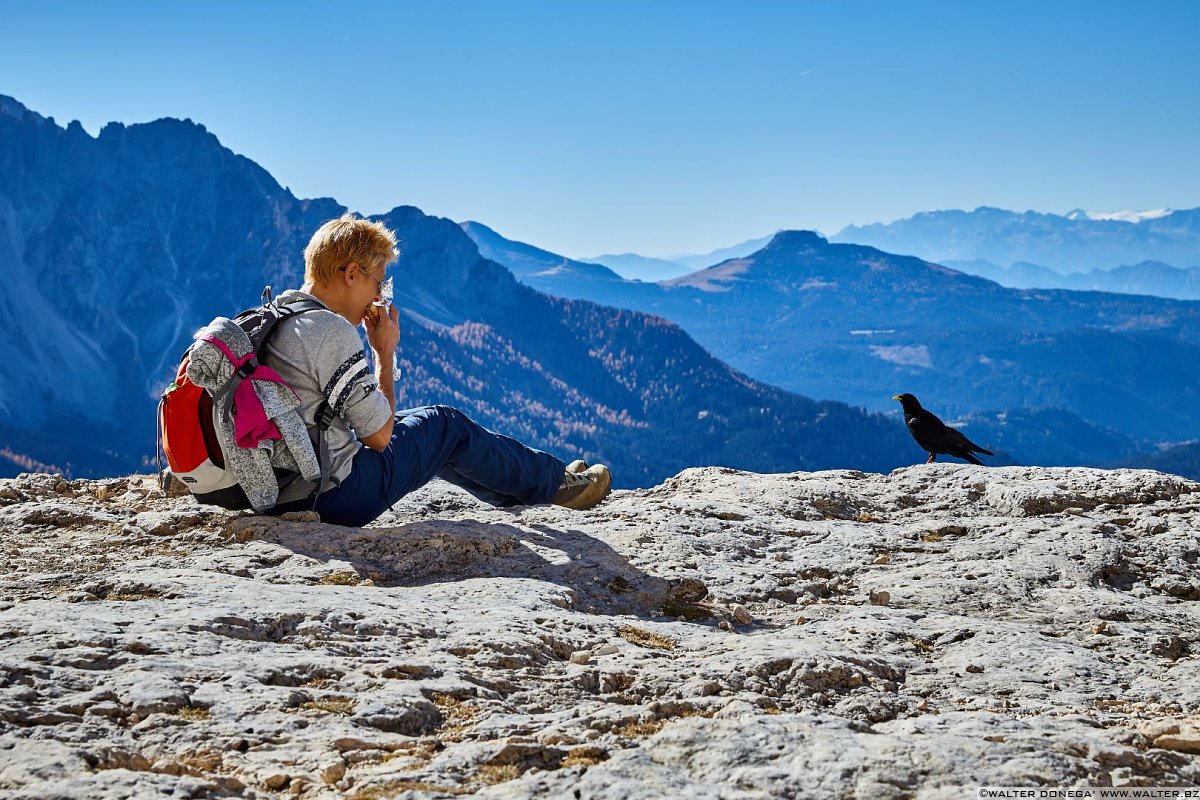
979	449
973	459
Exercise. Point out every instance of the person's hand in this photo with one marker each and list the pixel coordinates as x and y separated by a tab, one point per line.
384	335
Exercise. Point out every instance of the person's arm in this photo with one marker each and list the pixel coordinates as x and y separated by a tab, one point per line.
383	337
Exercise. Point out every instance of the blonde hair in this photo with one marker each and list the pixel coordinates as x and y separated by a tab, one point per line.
345	239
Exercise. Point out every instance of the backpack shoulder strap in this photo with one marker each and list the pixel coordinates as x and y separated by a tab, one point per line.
259	322
300	306
278	311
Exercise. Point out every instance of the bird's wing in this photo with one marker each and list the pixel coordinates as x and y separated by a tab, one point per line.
935	436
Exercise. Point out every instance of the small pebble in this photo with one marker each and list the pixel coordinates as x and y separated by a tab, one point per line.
333	771
880	598
1100	627
606	650
801	620
974	668
725	626
275	780
581	657
883	558
591	734
742	614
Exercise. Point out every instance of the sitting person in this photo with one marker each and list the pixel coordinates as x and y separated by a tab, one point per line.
376	454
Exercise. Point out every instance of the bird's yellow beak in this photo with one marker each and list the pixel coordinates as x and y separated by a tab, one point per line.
895	397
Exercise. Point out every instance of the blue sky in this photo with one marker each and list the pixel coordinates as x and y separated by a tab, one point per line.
655	127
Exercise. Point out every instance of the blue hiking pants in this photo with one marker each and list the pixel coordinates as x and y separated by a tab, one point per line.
441	442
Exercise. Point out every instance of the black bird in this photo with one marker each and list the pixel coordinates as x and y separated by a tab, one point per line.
935	436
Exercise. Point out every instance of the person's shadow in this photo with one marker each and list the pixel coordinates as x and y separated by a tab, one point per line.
599	579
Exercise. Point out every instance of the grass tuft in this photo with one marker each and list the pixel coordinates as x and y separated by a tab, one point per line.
193	713
643	638
497	773
459	717
584	757
343	706
344	578
635	729
392	788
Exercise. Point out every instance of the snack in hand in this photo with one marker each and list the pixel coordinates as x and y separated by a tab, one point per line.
381	307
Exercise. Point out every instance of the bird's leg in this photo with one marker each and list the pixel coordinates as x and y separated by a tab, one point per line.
932	458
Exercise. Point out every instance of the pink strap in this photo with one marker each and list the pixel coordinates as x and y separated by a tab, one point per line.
250	422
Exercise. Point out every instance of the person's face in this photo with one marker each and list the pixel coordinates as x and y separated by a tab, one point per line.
366	287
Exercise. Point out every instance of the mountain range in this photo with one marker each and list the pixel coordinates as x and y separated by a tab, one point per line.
1103	375
1146	277
117	247
1154	253
1075	242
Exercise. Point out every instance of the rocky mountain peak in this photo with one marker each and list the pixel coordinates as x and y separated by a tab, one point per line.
11	107
796	241
937	627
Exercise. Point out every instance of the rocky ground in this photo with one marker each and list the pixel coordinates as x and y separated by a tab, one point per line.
723	635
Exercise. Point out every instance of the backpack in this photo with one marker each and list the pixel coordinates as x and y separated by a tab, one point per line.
187	432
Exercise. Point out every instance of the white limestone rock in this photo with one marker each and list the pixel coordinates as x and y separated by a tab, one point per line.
896	635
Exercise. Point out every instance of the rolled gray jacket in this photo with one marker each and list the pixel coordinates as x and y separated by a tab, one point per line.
252	467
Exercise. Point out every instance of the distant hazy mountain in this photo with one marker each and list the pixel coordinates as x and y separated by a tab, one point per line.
723	254
116	248
641	268
645	268
554	274
538	268
1021	275
1072	243
1148	277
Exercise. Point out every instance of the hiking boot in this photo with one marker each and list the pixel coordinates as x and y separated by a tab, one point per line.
578	465
583	490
